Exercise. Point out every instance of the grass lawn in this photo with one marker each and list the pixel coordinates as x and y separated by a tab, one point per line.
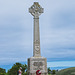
68	71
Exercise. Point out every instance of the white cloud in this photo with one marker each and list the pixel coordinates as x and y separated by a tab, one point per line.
7	61
56	27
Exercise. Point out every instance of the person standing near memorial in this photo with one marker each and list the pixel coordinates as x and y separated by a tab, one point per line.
20	72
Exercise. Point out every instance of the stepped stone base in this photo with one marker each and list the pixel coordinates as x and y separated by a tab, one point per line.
37	63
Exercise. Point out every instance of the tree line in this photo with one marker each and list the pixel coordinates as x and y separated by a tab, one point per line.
15	68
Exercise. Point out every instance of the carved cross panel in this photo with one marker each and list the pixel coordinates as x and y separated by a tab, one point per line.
36	10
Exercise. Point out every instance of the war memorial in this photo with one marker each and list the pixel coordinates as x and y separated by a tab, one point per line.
37	62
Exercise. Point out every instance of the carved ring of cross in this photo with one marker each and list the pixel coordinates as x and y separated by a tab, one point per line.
36	10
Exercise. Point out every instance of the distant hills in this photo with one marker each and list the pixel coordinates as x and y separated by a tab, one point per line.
68	71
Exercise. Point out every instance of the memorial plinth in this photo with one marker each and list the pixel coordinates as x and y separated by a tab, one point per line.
36	62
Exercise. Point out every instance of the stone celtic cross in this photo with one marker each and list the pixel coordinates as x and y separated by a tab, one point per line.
36	10
37	62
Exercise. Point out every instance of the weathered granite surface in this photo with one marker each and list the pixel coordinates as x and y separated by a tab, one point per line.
37	63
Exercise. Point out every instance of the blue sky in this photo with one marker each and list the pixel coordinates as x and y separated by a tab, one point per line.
57	30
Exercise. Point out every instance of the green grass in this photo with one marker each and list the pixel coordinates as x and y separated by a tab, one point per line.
68	71
49	74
